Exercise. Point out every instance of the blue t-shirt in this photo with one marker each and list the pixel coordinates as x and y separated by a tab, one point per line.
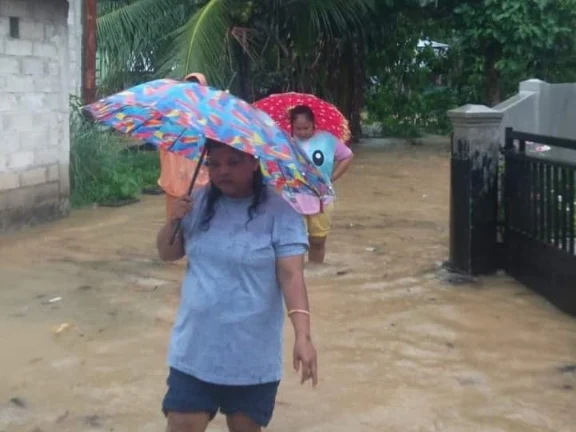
228	328
321	149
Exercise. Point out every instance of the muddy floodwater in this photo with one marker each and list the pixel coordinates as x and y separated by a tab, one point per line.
86	307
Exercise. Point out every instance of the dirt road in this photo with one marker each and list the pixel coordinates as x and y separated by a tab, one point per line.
86	307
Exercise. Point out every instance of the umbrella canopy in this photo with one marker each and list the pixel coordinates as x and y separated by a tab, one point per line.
180	116
328	117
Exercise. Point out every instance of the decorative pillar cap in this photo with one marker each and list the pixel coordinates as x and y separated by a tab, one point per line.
475	114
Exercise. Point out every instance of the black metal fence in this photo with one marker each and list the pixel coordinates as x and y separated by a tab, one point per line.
539	239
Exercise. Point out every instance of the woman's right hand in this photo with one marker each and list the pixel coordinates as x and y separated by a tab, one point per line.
181	207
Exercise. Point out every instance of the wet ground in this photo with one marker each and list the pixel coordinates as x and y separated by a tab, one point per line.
86	307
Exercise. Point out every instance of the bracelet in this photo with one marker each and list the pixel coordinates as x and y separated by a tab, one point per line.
302	311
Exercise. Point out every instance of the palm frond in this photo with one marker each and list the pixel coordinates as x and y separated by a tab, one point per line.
132	34
135	23
332	17
201	45
249	39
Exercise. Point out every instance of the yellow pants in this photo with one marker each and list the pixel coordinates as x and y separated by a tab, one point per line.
319	225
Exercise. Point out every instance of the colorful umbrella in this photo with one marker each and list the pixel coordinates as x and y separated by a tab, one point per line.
180	116
328	117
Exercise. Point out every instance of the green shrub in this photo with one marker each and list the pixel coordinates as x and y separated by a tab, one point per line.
146	165
412	113
101	170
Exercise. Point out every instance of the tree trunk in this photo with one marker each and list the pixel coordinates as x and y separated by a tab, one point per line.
89	15
243	74
492	76
347	84
340	81
357	91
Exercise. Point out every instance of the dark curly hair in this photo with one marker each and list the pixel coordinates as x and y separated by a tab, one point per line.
213	194
303	110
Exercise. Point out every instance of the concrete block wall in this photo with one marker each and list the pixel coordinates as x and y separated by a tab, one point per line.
34	110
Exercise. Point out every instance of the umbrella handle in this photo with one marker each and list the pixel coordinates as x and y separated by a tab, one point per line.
194	177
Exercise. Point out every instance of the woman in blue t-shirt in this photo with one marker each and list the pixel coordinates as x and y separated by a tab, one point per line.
245	249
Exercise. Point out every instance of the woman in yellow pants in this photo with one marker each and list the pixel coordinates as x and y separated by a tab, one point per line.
332	158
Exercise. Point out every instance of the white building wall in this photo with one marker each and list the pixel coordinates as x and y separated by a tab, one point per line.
35	81
75	40
544	109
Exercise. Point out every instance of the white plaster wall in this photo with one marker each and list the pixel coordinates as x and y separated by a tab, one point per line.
519	112
558	110
542	108
545	109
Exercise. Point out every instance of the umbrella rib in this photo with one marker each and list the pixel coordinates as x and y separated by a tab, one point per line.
178	138
154	116
157	115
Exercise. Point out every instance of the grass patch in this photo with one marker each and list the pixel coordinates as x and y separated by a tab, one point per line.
102	170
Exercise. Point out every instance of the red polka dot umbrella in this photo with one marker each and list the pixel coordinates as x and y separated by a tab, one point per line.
328	117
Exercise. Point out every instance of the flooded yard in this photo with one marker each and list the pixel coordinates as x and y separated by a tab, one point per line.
86	307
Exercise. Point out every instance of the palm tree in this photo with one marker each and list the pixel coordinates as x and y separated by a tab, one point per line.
132	35
266	45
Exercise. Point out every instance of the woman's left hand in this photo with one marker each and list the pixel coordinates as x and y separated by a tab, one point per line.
305	358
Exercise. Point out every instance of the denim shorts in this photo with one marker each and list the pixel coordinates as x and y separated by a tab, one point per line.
187	394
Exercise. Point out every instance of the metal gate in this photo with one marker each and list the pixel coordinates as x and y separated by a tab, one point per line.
539	218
